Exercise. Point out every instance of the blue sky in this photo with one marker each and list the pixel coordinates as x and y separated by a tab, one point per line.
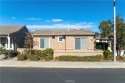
58	14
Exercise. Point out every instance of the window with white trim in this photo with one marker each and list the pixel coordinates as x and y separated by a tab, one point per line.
44	42
80	43
60	39
3	42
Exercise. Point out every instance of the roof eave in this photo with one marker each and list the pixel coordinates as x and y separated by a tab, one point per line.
65	34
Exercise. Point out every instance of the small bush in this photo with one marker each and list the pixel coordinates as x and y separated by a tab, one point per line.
80	58
11	53
28	56
2	50
7	52
34	52
122	58
26	52
21	57
48	52
29	52
14	53
107	55
48	58
34	57
39	53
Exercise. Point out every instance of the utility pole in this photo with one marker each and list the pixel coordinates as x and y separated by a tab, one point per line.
114	30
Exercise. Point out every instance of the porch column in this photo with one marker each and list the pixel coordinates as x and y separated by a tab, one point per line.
8	37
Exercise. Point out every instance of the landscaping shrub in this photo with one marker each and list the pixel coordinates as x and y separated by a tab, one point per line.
28	56
27	52
7	52
34	52
2	50
121	58
39	53
80	58
14	53
11	53
48	58
34	57
107	55
21	57
48	52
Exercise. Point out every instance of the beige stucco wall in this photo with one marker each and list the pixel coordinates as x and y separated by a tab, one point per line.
57	45
37	40
67	46
21	49
91	41
78	53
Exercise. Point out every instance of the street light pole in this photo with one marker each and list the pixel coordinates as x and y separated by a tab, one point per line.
114	30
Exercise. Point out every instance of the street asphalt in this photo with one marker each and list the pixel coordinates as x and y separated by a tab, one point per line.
51	75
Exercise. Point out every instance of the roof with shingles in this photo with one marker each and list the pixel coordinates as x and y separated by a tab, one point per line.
63	32
4	30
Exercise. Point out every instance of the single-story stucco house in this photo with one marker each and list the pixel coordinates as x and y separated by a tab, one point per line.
12	37
66	42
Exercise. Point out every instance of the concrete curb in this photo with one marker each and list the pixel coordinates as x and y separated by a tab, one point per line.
62	64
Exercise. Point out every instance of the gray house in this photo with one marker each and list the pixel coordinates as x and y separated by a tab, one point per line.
12	37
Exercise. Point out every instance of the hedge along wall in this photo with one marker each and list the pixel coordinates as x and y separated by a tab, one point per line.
80	58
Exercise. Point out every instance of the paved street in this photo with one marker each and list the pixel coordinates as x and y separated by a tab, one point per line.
42	75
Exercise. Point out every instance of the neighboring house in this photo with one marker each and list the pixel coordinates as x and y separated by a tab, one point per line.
103	43
66	42
12	37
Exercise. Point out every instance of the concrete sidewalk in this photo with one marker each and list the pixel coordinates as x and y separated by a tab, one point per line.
62	64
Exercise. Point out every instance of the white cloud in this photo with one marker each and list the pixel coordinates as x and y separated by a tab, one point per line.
83	25
13	17
32	18
55	20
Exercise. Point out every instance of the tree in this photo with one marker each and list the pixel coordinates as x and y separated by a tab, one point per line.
120	34
28	42
106	29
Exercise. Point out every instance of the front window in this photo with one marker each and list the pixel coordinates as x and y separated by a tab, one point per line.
2	42
44	42
80	43
60	39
